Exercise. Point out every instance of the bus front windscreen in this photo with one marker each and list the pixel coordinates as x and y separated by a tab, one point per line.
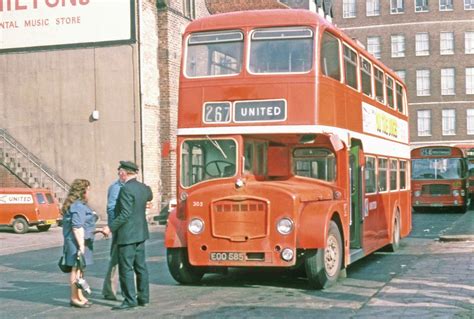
437	168
214	54
207	159
281	50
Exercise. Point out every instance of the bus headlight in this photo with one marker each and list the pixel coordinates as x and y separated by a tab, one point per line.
417	193
455	192
196	226
285	226
287	254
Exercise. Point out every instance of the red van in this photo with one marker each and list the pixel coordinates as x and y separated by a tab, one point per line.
24	207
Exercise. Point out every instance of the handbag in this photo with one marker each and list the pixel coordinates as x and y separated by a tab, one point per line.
62	265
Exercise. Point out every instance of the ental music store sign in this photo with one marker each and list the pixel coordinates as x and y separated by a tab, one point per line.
38	23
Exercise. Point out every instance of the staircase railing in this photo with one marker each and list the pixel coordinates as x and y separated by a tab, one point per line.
34	161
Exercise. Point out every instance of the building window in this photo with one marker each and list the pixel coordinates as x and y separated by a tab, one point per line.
469	80
445	5
423	83
447	81
468	4
424	122
422	44
372	8
449	122
189	9
397	6
402	74
398	46
421	5
469	42
470	121
349	8
373	46
446	45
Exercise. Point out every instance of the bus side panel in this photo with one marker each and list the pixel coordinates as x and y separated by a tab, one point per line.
313	224
175	234
405	213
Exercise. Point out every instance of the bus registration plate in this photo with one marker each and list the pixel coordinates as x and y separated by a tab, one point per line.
226	256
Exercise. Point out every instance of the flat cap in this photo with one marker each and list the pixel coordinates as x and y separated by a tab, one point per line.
129	166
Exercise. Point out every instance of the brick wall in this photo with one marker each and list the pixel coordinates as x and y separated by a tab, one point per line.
408	24
150	98
171	24
221	6
7	179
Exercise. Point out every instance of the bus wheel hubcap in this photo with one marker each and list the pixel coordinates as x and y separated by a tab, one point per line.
331	256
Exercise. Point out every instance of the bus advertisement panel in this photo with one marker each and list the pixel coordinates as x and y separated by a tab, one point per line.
292	149
439	177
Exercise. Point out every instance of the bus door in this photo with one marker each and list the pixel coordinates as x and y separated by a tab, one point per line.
356	196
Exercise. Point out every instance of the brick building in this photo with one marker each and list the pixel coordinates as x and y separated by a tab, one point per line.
431	45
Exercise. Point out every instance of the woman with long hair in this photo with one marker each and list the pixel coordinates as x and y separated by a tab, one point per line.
78	231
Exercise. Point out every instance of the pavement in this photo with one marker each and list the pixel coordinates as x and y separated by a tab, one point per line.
461	230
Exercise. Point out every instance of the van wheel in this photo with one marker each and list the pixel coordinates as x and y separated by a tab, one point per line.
43	228
20	226
180	268
324	265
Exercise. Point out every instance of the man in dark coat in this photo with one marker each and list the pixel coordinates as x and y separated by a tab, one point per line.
131	230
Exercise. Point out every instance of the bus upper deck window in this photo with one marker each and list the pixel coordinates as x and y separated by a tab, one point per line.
390	96
281	50
399	97
330	65
366	76
214	54
378	75
350	67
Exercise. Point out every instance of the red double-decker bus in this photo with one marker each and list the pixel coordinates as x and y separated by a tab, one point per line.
292	146
439	178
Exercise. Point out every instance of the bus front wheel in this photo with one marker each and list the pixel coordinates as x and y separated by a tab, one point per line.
180	268
323	266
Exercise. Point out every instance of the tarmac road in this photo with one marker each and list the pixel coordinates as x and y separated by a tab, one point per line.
426	278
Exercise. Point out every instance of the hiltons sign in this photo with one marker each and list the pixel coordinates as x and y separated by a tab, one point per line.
39	23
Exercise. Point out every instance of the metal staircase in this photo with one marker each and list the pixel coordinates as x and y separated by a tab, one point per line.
28	168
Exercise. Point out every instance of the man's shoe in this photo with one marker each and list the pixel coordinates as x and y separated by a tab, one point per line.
143	304
110	298
124	306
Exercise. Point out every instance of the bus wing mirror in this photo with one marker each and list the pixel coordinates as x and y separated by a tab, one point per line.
278	162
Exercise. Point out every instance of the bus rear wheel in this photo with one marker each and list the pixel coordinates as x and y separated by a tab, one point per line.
395	244
180	268
323	266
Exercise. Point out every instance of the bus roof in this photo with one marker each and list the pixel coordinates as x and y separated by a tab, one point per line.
275	18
